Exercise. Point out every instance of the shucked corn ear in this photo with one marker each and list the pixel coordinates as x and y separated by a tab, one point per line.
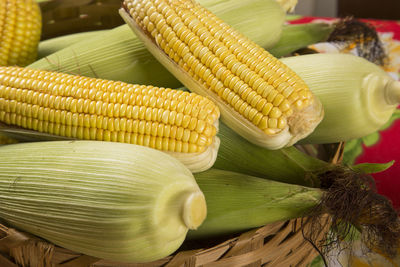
357	95
119	55
259	97
108	200
20	29
180	123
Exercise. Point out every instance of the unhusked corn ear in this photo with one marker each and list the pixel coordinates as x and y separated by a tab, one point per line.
20	29
358	96
259	97
93	109
113	201
237	202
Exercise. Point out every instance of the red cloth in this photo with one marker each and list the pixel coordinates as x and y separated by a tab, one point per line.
380	25
387	147
385	150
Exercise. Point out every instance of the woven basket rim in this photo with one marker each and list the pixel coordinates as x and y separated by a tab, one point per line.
285	238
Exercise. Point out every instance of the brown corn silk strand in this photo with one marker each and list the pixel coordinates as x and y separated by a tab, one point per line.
352	201
359	35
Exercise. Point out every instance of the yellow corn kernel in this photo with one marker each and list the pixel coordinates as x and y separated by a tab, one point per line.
101	110
225	65
20	29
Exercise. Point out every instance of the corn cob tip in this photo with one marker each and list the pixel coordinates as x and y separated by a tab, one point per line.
301	123
378	86
256	93
392	89
200	161
194	210
381	94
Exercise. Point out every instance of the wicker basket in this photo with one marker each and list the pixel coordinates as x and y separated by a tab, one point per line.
277	244
61	17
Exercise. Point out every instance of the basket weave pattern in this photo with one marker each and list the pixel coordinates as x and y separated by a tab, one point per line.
277	244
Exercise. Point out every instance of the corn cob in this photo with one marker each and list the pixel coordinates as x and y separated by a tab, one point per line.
120	55
177	122
359	97
259	97
20	30
287	165
108	200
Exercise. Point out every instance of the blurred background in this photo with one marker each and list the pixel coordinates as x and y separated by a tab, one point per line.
373	9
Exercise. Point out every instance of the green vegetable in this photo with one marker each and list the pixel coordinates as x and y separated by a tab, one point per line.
109	200
296	36
238	202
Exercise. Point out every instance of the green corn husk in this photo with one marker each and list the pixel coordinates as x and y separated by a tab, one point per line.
120	55
293	37
358	96
50	46
287	165
114	201
231	196
235	153
297	36
288	5
238	202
